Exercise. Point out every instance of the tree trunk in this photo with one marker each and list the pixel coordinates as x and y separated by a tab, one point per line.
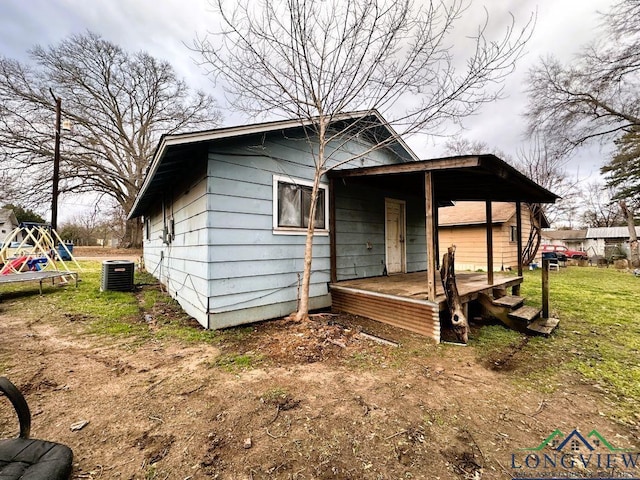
533	242
132	234
633	238
303	305
456	310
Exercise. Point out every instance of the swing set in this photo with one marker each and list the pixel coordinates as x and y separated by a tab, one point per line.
35	258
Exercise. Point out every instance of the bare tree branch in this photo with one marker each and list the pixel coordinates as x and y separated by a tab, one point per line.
310	60
597	96
119	103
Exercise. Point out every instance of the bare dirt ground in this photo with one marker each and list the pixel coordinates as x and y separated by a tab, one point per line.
282	400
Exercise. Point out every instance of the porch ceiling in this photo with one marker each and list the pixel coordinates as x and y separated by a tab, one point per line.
482	177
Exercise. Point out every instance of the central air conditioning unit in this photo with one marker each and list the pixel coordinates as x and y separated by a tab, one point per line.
117	275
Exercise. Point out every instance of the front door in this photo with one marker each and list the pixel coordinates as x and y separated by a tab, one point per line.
395	230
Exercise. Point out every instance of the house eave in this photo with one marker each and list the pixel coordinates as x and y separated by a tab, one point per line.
168	142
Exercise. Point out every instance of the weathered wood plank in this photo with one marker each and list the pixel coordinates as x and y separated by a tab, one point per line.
500	312
428	165
489	229
430	233
543	326
510	301
415	284
519	236
525	313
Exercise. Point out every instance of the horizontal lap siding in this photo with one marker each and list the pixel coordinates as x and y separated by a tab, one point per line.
181	263
359	221
505	252
471	244
254	273
509	248
360	212
153	245
225	265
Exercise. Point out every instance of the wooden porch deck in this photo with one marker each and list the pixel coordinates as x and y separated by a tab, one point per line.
401	300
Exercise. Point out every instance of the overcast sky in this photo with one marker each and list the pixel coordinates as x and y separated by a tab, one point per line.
162	27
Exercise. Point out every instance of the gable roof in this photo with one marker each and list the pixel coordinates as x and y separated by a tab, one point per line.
163	168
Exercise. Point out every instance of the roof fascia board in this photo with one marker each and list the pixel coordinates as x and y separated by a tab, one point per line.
411	167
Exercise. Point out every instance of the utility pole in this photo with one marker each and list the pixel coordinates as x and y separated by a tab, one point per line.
56	164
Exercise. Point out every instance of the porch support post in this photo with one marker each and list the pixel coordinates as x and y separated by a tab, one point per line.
516	288
489	243
436	234
431	232
332	232
545	287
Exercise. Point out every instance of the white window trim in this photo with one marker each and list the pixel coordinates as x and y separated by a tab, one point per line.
297	230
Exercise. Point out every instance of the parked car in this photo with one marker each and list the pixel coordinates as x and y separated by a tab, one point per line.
562	250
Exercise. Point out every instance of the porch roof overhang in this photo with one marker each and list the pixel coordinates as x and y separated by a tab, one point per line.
461	178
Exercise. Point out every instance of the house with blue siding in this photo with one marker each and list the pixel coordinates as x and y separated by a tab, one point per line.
224	217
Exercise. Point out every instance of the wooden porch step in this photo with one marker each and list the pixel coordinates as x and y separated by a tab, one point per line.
543	325
509	301
526	313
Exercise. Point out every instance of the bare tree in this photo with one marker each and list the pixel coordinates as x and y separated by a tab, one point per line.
598	94
597	97
310	60
600	208
459	145
546	166
119	104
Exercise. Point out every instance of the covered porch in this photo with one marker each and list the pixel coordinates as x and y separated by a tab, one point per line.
414	297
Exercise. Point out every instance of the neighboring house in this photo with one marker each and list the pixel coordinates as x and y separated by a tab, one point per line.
464	225
225	224
608	241
572	239
8	223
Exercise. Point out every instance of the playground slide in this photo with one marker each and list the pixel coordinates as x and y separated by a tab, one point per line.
14	265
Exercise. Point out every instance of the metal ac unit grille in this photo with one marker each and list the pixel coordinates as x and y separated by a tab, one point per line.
117	275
